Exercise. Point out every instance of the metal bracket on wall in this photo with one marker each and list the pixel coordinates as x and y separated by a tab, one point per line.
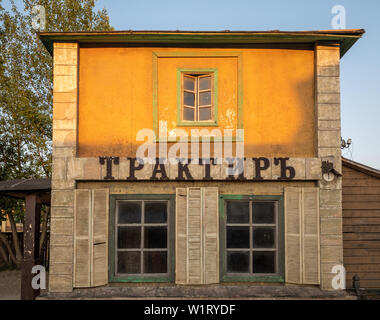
328	171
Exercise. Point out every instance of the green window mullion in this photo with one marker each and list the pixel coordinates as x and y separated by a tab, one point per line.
250	238
278	245
169	250
142	244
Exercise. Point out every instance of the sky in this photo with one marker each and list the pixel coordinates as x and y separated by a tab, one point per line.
360	67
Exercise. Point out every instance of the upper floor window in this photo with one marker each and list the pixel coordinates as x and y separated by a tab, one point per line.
197	97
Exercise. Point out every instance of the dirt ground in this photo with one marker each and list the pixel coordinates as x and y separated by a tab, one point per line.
10	284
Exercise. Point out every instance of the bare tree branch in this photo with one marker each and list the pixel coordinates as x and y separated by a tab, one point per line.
11	254
16	242
3	254
44	230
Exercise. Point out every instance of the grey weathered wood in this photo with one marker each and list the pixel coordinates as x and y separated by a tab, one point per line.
82	245
99	256
361	226
197	238
210	235
181	236
194	236
302	249
293	246
310	236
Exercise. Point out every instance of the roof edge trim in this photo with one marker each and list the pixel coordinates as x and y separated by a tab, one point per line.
361	167
346	38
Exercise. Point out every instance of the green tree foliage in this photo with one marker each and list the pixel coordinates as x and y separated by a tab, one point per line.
26	86
26	76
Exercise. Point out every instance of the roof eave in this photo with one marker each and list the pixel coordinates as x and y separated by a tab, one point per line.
360	167
346	38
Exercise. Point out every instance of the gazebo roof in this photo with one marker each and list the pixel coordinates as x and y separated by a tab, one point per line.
19	188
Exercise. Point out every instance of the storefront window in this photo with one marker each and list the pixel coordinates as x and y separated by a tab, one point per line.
141	238
252	238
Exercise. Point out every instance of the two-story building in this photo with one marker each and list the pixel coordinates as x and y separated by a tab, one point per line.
196	158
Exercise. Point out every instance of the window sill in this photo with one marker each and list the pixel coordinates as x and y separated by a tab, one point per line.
249	278
197	124
135	279
200	138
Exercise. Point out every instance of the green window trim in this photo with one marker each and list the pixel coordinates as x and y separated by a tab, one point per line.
180	122
112	234
279	277
197	54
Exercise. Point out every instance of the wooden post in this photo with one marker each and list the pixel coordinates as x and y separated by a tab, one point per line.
31	245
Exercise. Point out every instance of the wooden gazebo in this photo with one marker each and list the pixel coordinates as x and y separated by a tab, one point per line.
35	192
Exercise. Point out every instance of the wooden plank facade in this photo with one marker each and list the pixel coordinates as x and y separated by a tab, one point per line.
361	223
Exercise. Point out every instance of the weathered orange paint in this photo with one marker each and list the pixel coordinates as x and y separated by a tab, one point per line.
279	102
115	98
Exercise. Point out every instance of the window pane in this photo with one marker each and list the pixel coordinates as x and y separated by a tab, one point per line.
237	212
264	262
238	262
188	98
189	83
205	98
204	83
155	262
129	237
263	212
129	212
204	113
155	237
188	114
155	212
263	237
128	262
237	237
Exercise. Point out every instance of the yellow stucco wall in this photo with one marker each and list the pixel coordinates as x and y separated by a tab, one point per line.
116	97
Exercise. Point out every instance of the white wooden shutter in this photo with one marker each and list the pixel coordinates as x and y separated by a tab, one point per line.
194	236
302	261
293	249
181	236
210	236
91	238
311	263
99	272
197	238
82	258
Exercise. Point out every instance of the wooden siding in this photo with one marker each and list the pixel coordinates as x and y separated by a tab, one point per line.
361	226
